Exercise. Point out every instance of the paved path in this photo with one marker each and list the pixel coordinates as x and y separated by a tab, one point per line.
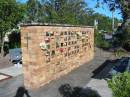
78	77
12	71
101	86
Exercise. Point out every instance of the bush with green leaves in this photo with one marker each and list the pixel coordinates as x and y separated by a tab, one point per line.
126	45
120	85
101	42
120	52
105	45
14	40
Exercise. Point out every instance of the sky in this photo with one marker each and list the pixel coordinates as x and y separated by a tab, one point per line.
103	9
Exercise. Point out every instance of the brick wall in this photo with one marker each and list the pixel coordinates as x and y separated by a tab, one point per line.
51	51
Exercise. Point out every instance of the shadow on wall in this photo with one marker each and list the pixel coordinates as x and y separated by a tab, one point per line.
67	91
21	91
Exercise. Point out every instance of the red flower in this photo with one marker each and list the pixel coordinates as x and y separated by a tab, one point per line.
61	50
47	39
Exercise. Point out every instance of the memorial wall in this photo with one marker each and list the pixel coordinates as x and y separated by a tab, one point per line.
50	51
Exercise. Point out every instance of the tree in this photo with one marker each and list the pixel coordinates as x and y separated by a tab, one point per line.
11	14
64	11
34	10
124	7
14	39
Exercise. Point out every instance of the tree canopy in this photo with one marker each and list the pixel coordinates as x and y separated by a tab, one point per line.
11	15
74	12
123	33
66	12
122	5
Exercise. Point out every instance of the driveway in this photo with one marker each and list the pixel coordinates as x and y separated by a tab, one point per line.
77	78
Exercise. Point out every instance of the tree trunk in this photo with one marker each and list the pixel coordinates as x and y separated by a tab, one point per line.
123	26
125	23
2	46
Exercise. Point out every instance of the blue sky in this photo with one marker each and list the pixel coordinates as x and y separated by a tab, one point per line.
103	9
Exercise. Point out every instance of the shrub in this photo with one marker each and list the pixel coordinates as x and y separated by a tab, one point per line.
120	85
101	42
105	45
119	52
126	45
98	39
14	40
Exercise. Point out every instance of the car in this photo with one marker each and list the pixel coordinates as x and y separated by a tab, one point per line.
17	61
15	55
122	65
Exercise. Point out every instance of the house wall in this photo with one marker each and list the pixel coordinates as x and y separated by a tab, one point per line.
49	52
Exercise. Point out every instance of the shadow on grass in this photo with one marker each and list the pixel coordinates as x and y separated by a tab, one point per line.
68	91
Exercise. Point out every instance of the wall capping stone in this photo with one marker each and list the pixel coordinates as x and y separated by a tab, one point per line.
53	24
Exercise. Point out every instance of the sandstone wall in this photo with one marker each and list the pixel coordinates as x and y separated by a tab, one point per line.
51	51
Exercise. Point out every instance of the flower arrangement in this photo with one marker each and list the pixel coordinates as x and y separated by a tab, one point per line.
61	50
79	33
43	45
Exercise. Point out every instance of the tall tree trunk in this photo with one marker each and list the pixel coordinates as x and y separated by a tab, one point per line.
123	26
123	30
2	46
